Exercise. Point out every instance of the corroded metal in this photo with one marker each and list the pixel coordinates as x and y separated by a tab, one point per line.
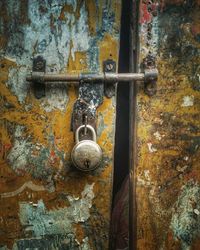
39	68
94	77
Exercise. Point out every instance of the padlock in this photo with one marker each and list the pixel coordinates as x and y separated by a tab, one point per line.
86	154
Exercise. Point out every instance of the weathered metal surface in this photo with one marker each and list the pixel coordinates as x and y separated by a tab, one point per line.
93	77
45	203
168	128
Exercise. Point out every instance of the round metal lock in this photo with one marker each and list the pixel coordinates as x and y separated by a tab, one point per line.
86	154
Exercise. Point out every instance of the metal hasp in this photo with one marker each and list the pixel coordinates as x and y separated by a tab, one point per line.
150	75
93	77
39	66
109	77
109	66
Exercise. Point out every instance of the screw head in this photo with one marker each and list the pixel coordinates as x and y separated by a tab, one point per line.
109	66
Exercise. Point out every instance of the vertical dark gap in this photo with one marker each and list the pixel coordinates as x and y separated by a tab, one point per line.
125	137
122	148
121	155
134	57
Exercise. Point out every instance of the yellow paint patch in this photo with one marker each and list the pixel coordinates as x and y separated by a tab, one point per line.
92	16
78	64
107	49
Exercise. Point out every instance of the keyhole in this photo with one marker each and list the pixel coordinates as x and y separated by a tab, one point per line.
87	163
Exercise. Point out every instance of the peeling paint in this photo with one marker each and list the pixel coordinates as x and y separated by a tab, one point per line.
85	245
27	157
185	222
20	152
80	33
36	171
151	148
39	221
167	128
157	135
188	101
56	98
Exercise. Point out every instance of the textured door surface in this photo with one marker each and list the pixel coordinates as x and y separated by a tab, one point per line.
44	202
167	167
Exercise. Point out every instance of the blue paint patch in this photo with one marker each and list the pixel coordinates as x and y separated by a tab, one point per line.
37	221
185	221
48	242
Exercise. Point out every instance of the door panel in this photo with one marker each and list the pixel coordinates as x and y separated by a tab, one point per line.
167	177
45	202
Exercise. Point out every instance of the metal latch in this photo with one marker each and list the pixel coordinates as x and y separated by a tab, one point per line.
38	76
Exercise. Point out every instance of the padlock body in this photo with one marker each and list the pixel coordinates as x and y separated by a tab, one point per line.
86	155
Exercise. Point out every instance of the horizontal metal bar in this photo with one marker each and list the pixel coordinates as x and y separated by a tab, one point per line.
108	77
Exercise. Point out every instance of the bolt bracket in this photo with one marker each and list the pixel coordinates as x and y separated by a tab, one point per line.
39	68
104	81
109	66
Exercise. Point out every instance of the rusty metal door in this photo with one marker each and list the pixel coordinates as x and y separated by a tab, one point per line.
165	172
45	202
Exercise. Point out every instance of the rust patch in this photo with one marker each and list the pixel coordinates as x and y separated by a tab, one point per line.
36	172
168	126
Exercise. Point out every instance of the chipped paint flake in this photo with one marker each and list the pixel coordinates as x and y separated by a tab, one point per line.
188	101
196	211
85	245
146	174
185	223
157	135
151	148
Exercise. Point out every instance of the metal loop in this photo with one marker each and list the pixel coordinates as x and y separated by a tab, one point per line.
94	137
85	123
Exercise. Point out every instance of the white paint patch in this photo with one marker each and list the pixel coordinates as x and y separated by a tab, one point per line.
80	207
20	152
17	82
29	185
182	169
19	131
80	33
188	101
85	245
10	59
196	211
56	98
153	42
143	181
146	174
157	135
151	148
18	156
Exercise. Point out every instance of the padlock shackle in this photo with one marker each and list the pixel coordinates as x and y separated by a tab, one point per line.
94	137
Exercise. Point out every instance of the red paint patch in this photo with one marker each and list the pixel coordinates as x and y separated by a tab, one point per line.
52	154
195	29
145	14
